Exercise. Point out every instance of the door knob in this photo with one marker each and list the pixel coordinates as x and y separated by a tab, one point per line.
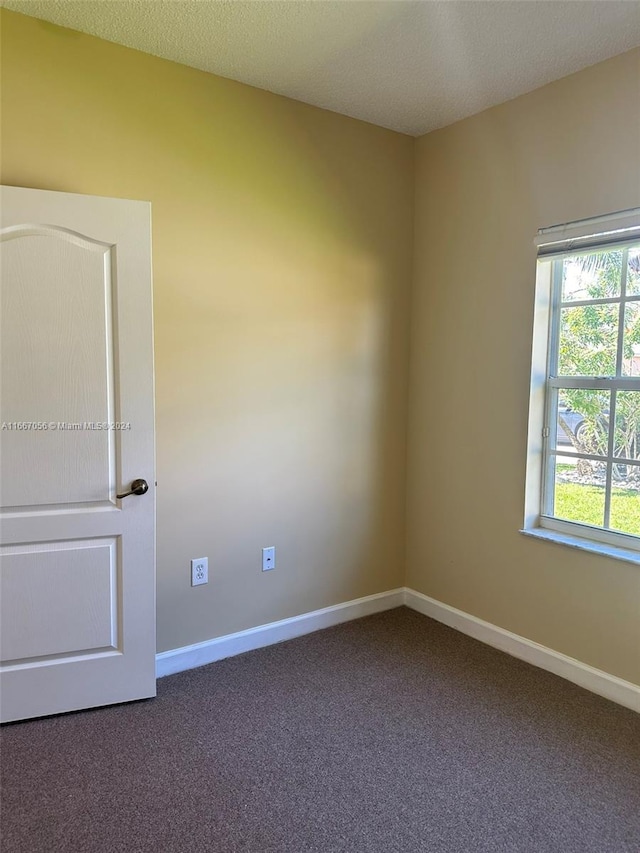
138	487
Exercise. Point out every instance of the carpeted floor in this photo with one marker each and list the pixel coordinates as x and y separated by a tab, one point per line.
392	733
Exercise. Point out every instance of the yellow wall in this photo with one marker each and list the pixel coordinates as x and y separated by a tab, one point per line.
282	258
282	262
483	187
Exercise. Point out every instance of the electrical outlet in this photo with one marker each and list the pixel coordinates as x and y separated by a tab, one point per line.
268	558
199	571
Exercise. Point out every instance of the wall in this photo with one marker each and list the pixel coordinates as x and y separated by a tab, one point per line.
282	260
483	187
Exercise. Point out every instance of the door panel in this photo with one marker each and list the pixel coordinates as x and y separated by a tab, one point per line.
58	598
56	325
77	573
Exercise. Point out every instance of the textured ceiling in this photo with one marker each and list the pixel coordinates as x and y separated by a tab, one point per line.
409	66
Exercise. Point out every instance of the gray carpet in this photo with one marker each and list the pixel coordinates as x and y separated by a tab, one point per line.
392	733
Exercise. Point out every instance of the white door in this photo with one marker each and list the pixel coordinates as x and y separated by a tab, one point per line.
77	562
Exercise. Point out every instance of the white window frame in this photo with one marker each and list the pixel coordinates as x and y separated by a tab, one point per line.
555	243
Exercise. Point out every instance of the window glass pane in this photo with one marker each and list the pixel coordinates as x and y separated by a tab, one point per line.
588	340
633	271
593	276
579	498
625	502
627	428
582	421
631	351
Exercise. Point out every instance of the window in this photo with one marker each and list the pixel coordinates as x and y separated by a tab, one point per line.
583	476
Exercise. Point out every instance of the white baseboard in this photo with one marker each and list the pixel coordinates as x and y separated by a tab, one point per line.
189	657
620	691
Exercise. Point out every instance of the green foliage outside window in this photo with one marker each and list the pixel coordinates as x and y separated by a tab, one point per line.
588	345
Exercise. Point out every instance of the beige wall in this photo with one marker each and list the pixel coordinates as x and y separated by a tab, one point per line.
282	259
566	151
282	263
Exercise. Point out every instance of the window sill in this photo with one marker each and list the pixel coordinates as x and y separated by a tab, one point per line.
625	554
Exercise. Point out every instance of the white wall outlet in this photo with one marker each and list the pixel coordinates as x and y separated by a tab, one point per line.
268	558
199	571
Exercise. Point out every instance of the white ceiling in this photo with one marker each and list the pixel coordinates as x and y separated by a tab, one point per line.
409	65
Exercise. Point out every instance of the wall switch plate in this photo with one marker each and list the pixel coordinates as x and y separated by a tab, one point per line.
199	571
268	558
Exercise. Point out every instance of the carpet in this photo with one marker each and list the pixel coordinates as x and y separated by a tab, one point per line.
389	734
